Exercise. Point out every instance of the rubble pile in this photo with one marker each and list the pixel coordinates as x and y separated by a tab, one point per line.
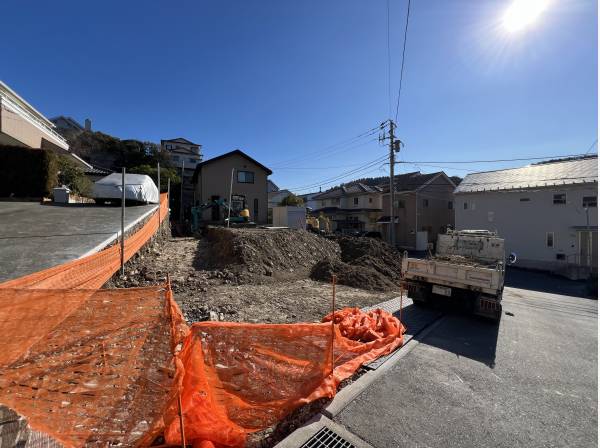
366	263
267	252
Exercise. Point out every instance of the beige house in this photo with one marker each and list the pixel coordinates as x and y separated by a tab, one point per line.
546	212
184	155
423	208
350	208
23	125
212	181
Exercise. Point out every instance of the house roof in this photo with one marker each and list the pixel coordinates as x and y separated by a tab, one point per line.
357	188
544	174
271	186
68	120
229	154
415	180
180	140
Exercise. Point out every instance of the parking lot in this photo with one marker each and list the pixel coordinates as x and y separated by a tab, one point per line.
35	236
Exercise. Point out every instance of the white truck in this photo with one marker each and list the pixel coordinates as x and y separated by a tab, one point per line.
468	266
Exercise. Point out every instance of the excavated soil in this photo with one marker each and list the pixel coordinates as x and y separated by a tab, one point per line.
365	263
251	275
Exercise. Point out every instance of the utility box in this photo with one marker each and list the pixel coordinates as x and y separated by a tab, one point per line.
61	194
292	217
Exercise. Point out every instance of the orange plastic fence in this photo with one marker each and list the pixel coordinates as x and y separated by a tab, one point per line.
97	367
241	378
88	367
93	271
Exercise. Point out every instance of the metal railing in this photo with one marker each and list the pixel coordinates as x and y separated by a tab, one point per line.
10	104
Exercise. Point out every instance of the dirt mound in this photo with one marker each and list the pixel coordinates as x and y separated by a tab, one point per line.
358	276
267	252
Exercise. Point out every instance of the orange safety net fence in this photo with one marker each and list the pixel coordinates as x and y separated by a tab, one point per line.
241	378
92	271
88	367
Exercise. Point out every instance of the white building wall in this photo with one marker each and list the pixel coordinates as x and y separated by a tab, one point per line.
524	224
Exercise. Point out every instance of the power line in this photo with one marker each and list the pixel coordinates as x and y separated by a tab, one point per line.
403	55
389	62
592	146
325	149
340	176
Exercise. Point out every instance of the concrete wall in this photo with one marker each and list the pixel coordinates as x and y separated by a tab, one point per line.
524	224
214	180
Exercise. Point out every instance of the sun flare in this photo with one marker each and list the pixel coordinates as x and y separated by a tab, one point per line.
523	13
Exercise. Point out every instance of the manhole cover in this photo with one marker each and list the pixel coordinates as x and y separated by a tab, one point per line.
326	438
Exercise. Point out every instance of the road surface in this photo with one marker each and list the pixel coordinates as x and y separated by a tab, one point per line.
35	237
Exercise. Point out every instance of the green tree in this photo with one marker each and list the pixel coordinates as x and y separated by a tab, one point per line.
292	200
165	174
73	176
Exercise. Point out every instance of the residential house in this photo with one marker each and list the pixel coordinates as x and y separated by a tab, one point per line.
275	196
184	156
23	125
212	181
547	212
423	208
353	207
70	125
309	199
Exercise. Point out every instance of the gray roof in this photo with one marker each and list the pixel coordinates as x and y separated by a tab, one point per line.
356	188
545	174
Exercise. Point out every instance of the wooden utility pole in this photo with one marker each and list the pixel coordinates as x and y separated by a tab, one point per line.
230	197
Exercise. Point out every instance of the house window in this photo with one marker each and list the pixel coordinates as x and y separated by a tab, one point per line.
192	160
465	206
169	146
245	177
425	202
560	257
450	205
400	204
370	200
524	199
175	158
355	201
550	239
559	198
590	201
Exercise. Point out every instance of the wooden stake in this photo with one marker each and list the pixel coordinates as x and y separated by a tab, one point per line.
333	281
181	428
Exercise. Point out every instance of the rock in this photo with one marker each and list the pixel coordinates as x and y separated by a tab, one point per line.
212	315
269	272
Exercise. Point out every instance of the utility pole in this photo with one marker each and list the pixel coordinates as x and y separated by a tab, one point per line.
158	179
230	197
181	195
392	219
394	145
123	221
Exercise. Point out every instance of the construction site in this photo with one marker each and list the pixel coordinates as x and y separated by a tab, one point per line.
268	303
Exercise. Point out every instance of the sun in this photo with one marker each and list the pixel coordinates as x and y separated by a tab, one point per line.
523	13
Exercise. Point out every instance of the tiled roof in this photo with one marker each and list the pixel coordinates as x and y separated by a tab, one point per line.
356	188
413	181
545	174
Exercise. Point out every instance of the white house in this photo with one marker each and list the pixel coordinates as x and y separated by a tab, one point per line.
547	212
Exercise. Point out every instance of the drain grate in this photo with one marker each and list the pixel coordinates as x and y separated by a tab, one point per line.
326	438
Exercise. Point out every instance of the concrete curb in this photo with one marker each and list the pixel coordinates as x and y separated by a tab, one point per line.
116	235
301	435
344	397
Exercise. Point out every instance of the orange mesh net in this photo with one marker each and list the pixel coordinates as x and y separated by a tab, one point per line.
89	367
101	367
241	378
93	271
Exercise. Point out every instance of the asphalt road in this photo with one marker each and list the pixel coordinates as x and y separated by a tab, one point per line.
530	381
35	237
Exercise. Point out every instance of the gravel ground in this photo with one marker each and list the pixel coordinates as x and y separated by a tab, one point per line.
228	294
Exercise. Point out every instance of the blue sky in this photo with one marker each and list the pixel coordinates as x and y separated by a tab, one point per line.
285	80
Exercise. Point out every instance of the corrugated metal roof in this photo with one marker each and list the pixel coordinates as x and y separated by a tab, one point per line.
545	174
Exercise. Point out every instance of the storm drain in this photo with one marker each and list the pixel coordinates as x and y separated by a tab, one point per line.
326	438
